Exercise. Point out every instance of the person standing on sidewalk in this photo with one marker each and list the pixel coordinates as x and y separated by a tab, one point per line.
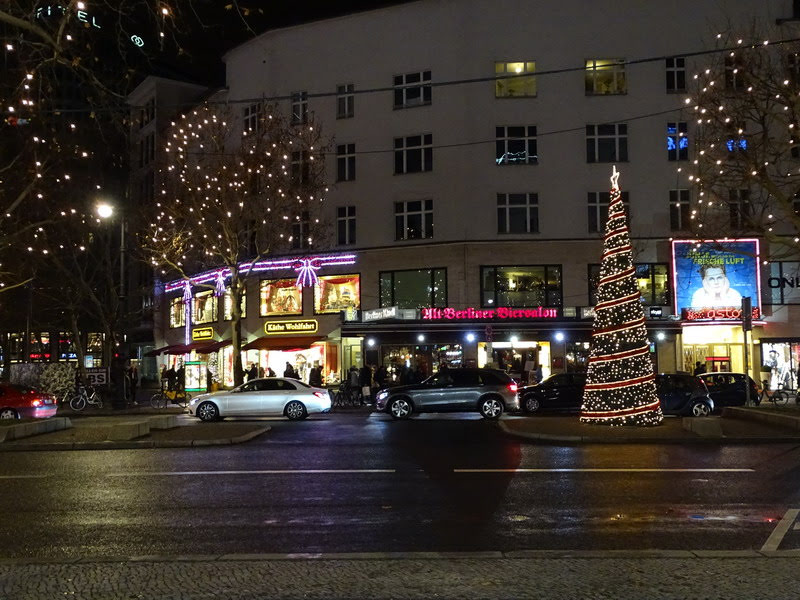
133	380
365	381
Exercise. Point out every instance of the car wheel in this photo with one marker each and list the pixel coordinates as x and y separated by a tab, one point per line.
400	408
208	411
295	410
531	404
700	409
8	413
491	408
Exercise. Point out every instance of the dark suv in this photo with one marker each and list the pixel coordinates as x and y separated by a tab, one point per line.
680	394
729	389
487	391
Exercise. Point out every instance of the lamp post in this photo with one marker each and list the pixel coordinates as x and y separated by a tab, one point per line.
116	370
106	211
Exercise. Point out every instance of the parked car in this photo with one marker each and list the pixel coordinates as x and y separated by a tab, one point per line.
22	402
272	396
487	391
680	394
729	389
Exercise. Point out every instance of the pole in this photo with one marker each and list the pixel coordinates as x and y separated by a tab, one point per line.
122	249
747	324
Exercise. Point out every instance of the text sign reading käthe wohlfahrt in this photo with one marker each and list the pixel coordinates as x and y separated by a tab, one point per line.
453	314
277	327
203	333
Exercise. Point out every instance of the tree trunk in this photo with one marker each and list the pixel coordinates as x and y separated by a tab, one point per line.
236	327
76	340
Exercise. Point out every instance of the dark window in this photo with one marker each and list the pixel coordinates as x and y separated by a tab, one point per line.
516	145
412	89
346	225
413	154
607	143
679	212
413	219
676	74
345	101
517	213
345	162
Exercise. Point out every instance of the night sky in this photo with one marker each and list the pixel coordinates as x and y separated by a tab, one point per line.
212	27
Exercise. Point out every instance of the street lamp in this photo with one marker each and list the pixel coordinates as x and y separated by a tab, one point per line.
106	211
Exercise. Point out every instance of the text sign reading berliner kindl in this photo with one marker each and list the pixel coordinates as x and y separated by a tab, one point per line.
277	327
439	314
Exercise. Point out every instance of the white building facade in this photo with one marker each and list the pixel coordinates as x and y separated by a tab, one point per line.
472	147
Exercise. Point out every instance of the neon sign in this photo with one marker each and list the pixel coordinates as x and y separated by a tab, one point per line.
452	314
81	15
263	266
731	313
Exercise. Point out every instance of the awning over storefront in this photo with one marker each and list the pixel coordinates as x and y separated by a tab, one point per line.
186	348
282	343
212	347
157	351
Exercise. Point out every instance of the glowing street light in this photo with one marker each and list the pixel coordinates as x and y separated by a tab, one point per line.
105	210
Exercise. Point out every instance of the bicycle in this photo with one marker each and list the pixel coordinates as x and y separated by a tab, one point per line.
82	398
347	396
163	397
777	397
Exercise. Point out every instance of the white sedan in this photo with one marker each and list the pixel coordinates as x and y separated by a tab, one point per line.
272	396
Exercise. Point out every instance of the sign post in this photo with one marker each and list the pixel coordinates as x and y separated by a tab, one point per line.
747	325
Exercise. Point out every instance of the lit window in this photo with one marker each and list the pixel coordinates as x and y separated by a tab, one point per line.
605	76
515	79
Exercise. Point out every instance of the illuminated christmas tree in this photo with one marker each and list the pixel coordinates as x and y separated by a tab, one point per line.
620	383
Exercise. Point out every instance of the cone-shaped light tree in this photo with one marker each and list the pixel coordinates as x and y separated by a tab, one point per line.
620	383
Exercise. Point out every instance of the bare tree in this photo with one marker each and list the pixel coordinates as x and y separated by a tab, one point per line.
746	111
234	191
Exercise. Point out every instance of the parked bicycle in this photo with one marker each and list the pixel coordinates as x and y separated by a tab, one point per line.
164	397
85	396
347	395
777	397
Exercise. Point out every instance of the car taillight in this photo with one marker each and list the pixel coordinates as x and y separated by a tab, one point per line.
513	387
321	394
36	402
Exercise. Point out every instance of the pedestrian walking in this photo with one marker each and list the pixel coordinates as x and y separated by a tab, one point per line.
315	376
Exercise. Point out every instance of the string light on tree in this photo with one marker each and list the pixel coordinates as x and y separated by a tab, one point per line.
620	382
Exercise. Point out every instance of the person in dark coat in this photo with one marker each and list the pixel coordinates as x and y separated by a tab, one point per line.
172	376
180	376
699	368
270	372
315	376
252	372
380	376
289	371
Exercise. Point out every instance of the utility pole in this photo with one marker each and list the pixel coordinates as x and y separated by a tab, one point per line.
747	325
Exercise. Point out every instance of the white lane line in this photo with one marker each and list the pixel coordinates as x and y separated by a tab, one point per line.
603	470
262	472
776	537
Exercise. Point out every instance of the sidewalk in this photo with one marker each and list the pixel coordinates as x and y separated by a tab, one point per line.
740	425
134	427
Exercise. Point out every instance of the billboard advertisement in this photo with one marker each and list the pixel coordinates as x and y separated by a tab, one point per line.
711	277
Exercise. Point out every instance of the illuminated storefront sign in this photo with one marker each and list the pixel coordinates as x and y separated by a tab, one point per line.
203	333
452	314
277	327
712	276
55	10
377	314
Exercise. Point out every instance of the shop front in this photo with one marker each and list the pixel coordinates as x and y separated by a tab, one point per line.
715	281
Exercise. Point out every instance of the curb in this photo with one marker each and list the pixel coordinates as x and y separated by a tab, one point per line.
478	555
576	439
132	445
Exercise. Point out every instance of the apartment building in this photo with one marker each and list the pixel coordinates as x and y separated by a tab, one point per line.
472	145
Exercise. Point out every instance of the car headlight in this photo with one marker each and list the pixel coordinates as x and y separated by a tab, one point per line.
381	395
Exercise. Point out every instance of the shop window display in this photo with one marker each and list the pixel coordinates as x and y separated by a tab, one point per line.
204	308
177	315
780	362
280	297
335	293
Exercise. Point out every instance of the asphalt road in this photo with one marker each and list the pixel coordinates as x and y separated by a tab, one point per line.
363	483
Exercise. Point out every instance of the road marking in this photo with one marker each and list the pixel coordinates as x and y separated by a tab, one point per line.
262	472
776	537
603	470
